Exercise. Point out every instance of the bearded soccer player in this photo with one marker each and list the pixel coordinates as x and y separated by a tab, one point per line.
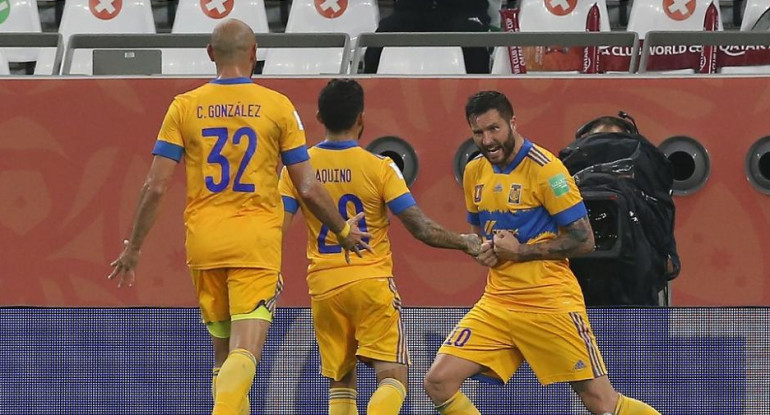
522	201
232	133
356	308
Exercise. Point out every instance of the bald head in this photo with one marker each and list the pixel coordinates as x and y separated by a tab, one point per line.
232	42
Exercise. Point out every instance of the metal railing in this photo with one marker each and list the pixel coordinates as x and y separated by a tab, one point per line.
34	40
196	41
64	55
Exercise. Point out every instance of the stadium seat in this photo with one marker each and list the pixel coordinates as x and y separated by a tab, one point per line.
97	16
679	15
755	9
551	16
752	12
555	15
4	70
192	16
308	16
22	17
421	61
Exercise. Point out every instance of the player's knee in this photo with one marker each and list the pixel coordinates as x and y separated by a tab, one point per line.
599	402
249	334
397	371
435	384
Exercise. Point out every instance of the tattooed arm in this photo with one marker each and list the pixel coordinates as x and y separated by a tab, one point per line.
577	238
433	234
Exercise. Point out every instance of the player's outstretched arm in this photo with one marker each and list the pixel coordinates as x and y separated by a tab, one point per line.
575	239
433	234
150	197
321	205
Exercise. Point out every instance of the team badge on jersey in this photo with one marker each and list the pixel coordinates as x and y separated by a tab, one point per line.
477	193
514	195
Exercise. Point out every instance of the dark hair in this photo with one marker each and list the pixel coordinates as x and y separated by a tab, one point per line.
341	101
484	101
623	121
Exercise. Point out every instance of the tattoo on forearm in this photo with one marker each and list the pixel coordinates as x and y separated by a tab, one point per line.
574	239
428	231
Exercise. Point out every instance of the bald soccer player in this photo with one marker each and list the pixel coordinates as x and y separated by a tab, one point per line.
231	133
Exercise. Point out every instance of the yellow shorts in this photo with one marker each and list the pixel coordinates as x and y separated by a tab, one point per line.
361	319
559	347
226	294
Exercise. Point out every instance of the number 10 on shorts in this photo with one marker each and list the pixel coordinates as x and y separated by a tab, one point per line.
458	337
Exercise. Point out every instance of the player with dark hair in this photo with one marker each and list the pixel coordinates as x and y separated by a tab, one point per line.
522	201
356	308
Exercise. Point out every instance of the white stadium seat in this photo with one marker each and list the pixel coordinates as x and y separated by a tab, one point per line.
560	15
678	15
308	16
752	12
93	17
551	16
22	17
196	16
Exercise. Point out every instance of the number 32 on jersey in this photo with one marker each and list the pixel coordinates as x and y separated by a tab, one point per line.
216	157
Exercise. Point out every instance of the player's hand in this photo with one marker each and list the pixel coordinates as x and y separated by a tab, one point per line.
355	239
124	266
487	256
506	245
472	243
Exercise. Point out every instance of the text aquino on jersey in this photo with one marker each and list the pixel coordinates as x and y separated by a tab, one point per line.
334	175
229	110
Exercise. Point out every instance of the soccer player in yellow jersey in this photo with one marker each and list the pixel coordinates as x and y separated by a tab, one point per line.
356	308
231	133
522	201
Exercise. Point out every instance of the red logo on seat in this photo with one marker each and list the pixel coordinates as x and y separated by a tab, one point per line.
217	9
560	7
679	9
331	9
105	9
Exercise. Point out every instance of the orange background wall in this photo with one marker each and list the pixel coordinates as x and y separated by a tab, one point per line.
75	152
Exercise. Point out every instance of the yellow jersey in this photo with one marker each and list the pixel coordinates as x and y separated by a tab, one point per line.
532	196
358	181
231	132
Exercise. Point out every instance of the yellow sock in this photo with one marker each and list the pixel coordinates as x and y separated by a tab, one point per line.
342	401
458	404
629	406
233	382
387	398
245	406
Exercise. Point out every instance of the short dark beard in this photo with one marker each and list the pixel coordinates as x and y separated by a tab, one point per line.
508	146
